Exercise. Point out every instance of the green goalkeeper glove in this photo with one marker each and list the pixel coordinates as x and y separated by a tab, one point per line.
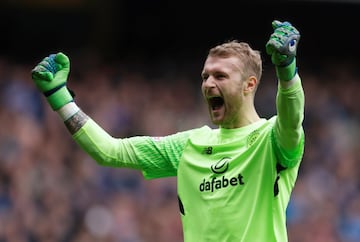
50	77
282	47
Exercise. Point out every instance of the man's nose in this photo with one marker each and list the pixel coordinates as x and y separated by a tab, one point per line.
209	82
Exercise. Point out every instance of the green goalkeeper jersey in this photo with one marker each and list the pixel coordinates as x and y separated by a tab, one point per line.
230	187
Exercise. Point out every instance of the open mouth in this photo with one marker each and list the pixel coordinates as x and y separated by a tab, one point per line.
216	102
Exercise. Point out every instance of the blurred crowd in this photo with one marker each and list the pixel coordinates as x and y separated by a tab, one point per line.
51	191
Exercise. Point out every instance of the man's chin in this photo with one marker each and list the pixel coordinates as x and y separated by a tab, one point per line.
217	116
217	120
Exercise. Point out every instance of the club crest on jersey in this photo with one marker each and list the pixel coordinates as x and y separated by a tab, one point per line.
252	137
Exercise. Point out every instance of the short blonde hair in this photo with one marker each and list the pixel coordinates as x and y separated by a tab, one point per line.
251	59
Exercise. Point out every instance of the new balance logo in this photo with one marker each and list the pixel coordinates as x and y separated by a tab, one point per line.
208	150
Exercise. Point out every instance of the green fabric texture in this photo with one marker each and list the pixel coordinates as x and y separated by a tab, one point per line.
289	140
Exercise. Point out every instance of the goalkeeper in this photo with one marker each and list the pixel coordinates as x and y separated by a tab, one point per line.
234	181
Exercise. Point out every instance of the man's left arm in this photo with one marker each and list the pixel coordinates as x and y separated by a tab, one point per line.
288	132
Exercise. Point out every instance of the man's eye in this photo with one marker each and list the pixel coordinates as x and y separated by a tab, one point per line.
204	77
220	76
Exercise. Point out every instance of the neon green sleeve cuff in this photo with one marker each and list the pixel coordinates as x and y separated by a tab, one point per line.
286	73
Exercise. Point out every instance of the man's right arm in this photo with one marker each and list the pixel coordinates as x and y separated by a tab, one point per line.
155	157
50	77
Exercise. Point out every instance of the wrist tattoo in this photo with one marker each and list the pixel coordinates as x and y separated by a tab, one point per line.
75	123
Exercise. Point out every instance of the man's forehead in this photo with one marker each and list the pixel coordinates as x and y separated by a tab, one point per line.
219	63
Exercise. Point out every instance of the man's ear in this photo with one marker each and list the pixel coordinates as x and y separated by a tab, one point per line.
250	85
